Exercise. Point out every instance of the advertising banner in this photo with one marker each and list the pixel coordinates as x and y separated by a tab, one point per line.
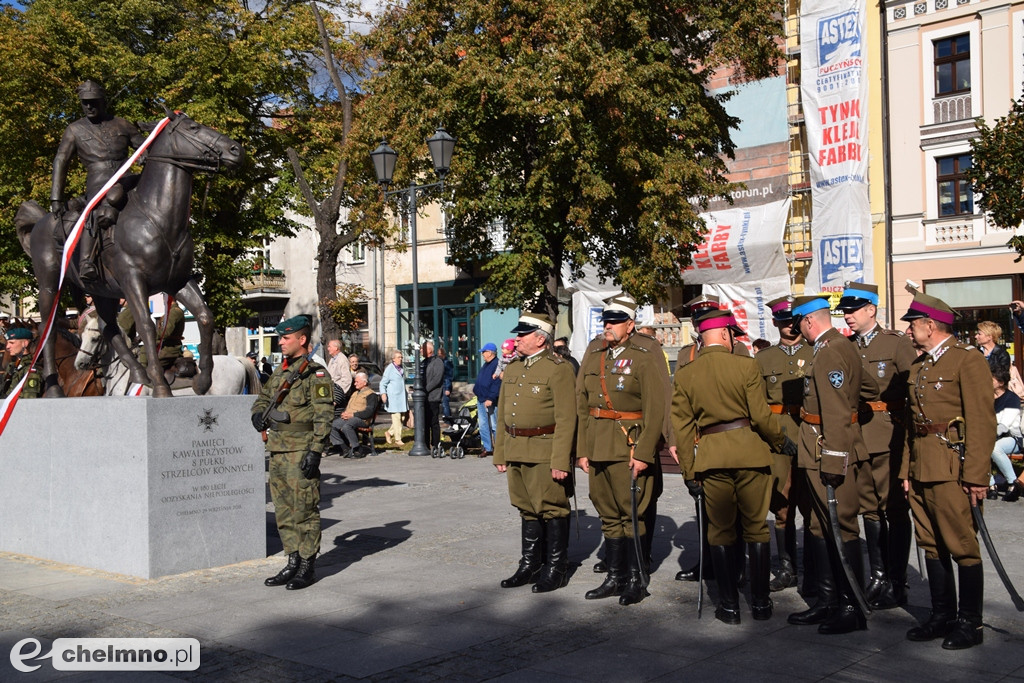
747	302
834	89
741	245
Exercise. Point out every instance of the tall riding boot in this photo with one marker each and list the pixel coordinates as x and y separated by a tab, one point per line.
786	578
900	534
554	574
305	576
723	556
877	541
634	591
967	632
810	587
739	558
827	601
943	617
86	241
286	574
531	562
615	581
760	562
693	572
849	617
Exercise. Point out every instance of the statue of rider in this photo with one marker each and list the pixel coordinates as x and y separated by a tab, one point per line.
102	142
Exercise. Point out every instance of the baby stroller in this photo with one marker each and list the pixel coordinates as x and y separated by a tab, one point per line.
462	432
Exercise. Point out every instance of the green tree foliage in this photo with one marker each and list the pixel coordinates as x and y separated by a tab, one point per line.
997	171
585	127
346	307
226	64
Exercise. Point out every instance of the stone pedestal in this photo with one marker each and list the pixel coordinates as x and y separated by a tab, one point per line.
139	486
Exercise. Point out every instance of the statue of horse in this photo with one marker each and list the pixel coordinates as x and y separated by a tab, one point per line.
230	375
148	251
73	379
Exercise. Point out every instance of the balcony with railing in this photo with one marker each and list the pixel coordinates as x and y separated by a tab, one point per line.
265	283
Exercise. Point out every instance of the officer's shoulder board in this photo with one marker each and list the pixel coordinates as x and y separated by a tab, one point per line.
555	358
639	348
965	347
515	360
895	333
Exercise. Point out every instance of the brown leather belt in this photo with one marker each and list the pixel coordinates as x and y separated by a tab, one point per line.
603	414
812	419
883	406
725	426
930	428
529	431
789	409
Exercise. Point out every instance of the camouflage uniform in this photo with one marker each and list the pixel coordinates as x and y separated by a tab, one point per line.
310	405
169	334
16	369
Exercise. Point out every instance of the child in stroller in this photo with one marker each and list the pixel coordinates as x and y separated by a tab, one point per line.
462	432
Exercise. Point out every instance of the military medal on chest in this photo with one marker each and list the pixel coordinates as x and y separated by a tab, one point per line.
881	369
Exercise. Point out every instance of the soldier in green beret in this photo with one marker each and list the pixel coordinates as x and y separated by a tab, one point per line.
295	408
533	446
949	380
18	340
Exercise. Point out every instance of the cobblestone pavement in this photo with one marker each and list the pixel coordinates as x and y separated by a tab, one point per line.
413	550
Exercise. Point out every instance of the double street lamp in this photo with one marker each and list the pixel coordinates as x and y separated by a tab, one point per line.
441	145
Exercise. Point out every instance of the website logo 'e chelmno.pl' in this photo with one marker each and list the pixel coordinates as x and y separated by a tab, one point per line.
109	654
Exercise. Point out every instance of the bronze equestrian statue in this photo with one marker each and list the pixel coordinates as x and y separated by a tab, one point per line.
148	250
101	142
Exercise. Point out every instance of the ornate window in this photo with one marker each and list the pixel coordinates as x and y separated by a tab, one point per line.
956	198
953	65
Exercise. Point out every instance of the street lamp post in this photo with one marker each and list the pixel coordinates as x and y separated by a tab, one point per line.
440	145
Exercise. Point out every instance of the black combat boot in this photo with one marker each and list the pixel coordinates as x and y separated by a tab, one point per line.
849	617
693	573
615	581
760	561
554	573
786	578
876	537
634	591
827	600
967	632
739	557
943	617
900	534
306	576
531	562
286	574
722	557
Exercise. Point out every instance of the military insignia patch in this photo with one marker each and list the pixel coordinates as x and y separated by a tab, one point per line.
836	378
322	391
320	373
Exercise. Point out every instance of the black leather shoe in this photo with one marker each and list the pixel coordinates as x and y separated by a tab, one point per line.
305	577
286	574
937	626
819	613
847	620
727	616
600	568
965	634
692	573
762	612
993	493
786	578
1014	493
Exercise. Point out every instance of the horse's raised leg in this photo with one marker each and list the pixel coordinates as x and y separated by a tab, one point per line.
196	304
107	310
138	302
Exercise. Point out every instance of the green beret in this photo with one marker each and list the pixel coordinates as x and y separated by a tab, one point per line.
19	333
296	324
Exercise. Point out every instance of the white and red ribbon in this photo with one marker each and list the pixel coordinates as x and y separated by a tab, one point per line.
7	407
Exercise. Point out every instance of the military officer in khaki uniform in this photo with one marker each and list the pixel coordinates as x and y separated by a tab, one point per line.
533	446
697	308
887	356
948	380
783	368
831	446
20	365
621	411
301	396
719	404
